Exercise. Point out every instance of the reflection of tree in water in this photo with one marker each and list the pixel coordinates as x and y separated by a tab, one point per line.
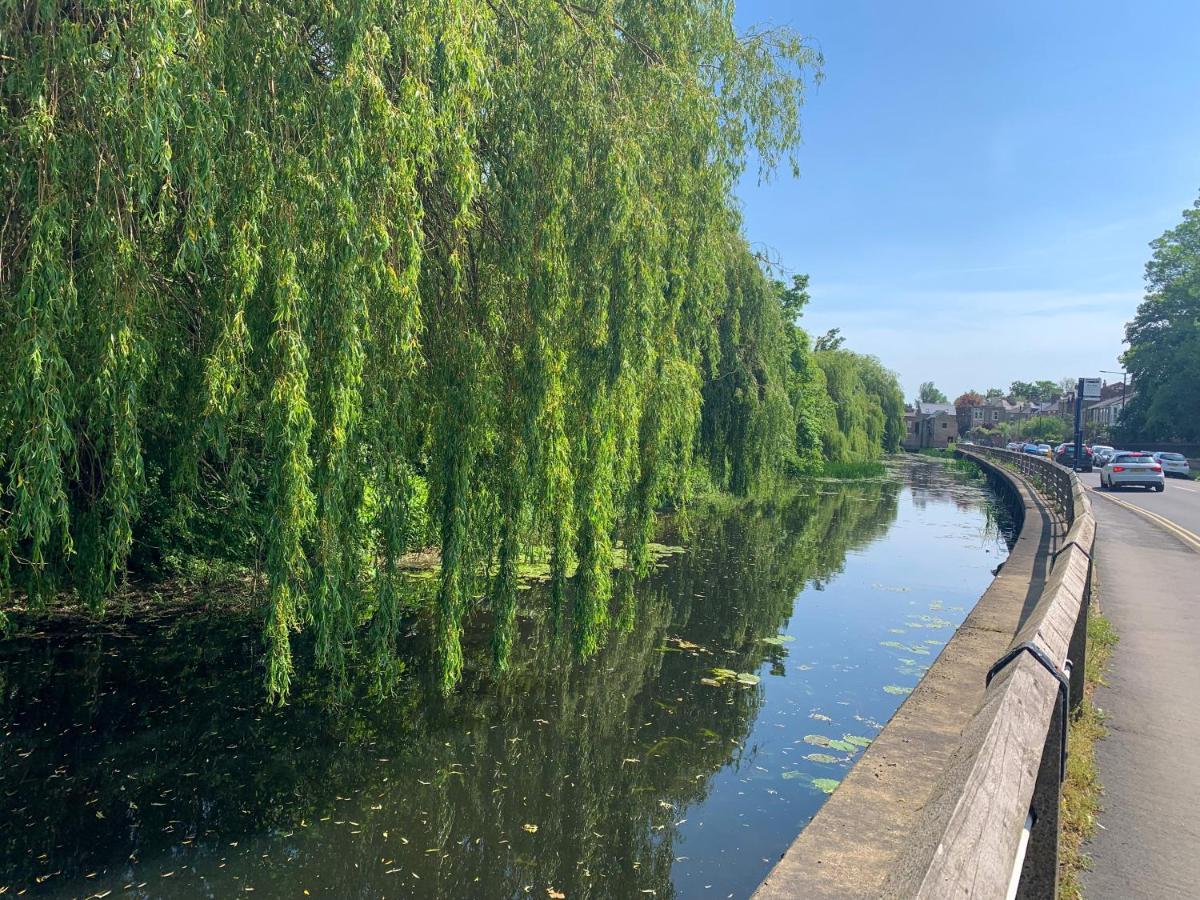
928	483
148	756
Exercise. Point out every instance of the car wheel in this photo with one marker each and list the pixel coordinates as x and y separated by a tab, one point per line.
1160	487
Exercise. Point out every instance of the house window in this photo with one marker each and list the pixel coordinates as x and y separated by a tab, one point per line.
996	416
943	424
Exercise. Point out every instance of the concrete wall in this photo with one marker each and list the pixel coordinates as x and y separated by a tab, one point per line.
937	804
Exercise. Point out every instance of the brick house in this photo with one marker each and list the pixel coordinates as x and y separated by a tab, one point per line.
930	425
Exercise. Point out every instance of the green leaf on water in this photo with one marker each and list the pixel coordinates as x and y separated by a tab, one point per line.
788	776
856	740
747	678
897	689
895	645
778	640
826	785
819	740
820	758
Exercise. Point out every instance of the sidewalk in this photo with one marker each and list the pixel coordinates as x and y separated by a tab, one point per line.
1149	586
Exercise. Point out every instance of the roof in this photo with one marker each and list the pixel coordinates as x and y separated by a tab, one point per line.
932	409
1112	401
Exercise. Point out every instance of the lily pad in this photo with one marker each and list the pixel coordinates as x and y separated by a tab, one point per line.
825	785
820	758
778	640
748	679
856	740
896	689
819	740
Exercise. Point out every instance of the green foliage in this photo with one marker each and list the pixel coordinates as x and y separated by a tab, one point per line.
1036	391
930	394
1164	340
866	412
854	470
969	398
1044	430
306	287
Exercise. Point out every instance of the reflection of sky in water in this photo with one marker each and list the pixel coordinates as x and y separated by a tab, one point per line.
153	767
879	623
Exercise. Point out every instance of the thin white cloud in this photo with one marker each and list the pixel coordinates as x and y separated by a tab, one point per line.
977	338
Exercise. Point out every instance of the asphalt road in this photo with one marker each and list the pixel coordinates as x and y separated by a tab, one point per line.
1146	578
1180	502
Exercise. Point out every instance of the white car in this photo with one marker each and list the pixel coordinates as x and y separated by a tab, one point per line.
1101	453
1127	469
1174	464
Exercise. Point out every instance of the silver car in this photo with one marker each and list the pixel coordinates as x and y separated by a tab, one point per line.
1101	453
1127	469
1174	464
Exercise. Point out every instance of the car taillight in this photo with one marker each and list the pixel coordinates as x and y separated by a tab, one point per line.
1118	468
1157	468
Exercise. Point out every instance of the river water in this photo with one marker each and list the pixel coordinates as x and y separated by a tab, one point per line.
680	762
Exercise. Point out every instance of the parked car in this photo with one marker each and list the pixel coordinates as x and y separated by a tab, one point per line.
1174	464
1013	445
1065	456
1101	453
1133	469
1044	450
1031	449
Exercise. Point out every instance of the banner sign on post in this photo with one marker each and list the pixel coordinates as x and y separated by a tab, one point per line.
1091	388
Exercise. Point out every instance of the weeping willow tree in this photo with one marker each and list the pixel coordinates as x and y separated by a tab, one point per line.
307	286
865	415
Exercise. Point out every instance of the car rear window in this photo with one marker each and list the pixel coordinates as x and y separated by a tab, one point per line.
1127	457
1174	457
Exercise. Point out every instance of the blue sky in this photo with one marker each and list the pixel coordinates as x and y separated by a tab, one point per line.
980	180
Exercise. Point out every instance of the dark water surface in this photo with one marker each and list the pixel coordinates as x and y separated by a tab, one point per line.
140	760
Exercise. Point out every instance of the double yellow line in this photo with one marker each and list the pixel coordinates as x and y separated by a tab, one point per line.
1189	538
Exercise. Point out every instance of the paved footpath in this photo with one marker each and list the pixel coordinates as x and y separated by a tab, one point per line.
1149	586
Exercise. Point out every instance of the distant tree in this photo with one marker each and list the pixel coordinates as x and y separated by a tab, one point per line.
930	394
1164	339
793	299
1036	391
830	340
970	398
993	394
1043	429
1066	385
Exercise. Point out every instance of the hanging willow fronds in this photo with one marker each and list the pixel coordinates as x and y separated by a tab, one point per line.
308	286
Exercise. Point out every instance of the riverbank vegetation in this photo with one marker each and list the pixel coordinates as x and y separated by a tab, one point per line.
301	291
1082	789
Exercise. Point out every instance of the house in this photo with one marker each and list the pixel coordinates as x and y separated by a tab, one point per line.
930	425
990	414
1108	412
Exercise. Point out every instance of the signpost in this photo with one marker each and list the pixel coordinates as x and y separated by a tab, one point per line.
1088	389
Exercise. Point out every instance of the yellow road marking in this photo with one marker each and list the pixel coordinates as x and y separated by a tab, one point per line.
1188	537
